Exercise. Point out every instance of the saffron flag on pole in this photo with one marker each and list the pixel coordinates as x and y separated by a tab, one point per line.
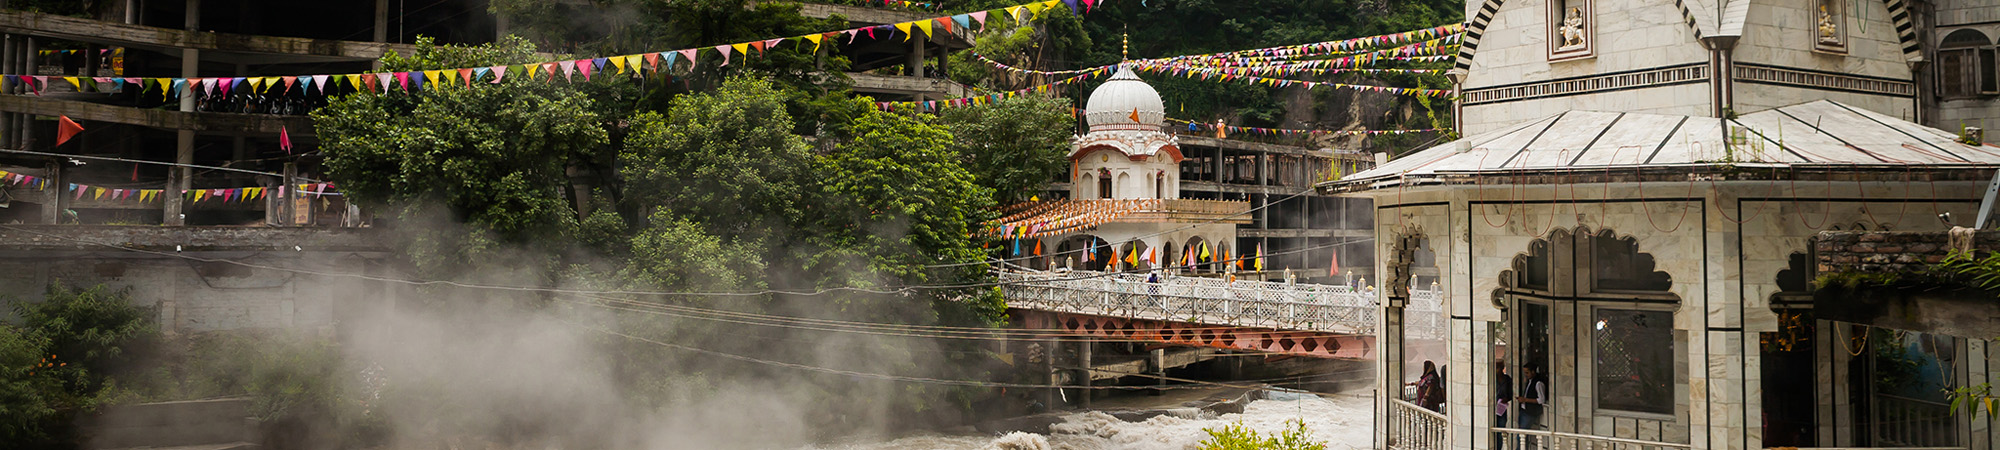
66	129
1132	258
1260	256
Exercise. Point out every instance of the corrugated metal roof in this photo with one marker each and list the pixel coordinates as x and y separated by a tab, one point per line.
1820	134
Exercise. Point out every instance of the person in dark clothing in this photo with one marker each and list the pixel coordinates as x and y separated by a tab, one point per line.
1534	403
1505	395
1430	388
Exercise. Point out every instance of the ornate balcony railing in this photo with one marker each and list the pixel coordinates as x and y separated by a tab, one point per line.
1412	427
1290	306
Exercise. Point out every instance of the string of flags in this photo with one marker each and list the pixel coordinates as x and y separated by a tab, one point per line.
1352	45
1281	83
935	105
1195	127
633	65
80	191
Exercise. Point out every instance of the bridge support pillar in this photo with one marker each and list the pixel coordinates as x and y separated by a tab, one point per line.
1049	352
1160	368
1083	357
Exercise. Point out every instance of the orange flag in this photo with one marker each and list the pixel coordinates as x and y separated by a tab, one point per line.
66	129
1135	115
1132	259
1333	267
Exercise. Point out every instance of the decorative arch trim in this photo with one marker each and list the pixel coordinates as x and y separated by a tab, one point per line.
1905	31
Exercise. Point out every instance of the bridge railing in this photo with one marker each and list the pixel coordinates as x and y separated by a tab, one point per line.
1199	300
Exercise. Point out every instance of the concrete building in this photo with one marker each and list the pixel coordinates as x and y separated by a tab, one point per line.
1630	214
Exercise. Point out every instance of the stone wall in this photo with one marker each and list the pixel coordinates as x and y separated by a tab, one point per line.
205	278
1888	251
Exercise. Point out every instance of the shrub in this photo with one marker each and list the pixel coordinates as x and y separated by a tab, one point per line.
1235	436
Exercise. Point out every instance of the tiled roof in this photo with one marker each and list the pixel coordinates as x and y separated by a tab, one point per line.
1819	135
1056	217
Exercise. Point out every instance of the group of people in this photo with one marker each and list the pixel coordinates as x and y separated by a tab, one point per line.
1532	401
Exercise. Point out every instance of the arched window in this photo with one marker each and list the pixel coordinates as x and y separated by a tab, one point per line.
1103	183
1125	180
1160	185
1966	65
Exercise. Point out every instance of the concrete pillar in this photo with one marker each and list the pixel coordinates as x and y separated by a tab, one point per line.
10	56
173	205
1083	357
915	67
52	205
1051	395
1389	364
1160	368
286	194
25	124
382	21
132	11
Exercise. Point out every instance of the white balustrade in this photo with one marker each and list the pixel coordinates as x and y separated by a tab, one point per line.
1519	439
1412	427
1306	307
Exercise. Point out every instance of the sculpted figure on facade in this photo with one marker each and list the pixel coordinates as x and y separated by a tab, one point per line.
1572	29
1829	31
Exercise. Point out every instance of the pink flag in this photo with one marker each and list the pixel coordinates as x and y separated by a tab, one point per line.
498	73
690	54
285	139
568	68
583	65
725	53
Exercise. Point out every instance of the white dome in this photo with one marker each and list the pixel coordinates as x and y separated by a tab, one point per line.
1112	105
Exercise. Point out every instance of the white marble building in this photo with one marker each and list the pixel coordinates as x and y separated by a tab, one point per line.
1124	197
1637	226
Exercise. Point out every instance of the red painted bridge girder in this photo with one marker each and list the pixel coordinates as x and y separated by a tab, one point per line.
1302	343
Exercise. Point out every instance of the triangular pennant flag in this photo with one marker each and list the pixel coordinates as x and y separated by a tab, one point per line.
772	43
586	67
285	139
321	81
387	80
814	38
904	27
689	54
759	45
741	48
498	73
354	81
465	74
653	60
66	129
980	17
289	81
403	79
634	60
78	85
963	21
618	63
724	49
944	22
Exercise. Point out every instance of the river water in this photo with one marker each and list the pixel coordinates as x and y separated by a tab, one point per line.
1342	422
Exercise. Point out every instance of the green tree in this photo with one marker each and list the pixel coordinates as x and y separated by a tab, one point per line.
491	157
727	158
675	253
898	194
28	393
1014	146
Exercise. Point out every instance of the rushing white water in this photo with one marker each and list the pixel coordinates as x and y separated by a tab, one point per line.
1343	423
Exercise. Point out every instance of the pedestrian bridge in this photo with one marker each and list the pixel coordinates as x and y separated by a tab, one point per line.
1328	321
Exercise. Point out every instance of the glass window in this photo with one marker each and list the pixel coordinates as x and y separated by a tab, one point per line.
1635	360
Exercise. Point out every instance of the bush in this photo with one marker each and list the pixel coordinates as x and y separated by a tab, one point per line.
1235	436
53	366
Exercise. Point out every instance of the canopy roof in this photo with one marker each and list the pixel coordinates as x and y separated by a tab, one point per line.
1803	141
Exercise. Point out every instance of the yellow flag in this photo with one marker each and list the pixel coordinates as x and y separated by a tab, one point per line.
256	85
73	82
96	193
270	82
1016	12
741	49
633	61
619	62
199	195
354	81
926	26
815	40
905	27
1036	8
434	77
